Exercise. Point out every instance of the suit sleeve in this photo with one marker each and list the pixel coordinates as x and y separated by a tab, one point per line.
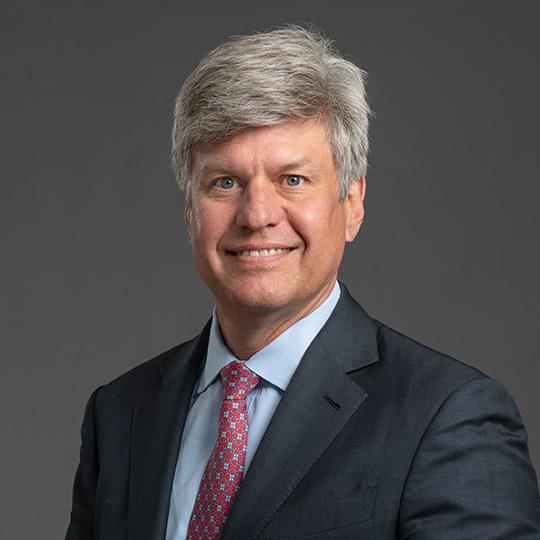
472	477
81	526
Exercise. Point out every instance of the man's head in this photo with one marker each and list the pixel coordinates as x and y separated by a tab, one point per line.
268	79
270	145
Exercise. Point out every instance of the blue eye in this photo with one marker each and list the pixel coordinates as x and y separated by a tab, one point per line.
293	180
227	183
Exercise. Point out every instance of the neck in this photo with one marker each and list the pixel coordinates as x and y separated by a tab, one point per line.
246	332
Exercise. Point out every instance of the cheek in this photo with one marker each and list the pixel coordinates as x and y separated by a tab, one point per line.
208	226
321	223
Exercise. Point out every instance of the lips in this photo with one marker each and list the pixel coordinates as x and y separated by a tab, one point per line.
262	252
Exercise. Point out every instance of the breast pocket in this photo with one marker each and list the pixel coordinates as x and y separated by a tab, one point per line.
328	515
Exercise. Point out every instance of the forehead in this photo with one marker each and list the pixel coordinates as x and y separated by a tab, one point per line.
304	143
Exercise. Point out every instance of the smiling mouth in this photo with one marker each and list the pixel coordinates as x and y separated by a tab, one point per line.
261	252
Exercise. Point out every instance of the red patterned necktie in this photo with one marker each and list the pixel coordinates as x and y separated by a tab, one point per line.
223	474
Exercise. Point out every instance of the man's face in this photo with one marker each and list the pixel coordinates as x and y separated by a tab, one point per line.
267	228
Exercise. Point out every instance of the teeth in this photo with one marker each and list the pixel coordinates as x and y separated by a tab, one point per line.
264	252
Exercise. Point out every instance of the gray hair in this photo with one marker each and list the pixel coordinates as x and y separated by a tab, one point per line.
266	79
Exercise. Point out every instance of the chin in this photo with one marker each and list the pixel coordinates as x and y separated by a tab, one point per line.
259	296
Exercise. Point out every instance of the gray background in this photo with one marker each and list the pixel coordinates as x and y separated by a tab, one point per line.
96	269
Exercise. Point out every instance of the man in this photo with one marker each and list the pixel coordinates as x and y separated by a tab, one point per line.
355	431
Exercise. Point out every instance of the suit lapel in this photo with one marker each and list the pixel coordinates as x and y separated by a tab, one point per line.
319	401
157	424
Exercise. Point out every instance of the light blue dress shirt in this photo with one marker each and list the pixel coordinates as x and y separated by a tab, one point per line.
275	365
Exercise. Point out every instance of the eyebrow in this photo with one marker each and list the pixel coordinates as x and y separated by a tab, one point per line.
301	163
227	168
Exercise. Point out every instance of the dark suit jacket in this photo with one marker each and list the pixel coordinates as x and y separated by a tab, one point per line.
377	437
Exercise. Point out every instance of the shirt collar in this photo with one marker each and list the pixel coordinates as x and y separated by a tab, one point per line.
277	362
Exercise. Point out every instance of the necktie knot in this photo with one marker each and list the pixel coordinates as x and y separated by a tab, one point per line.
237	380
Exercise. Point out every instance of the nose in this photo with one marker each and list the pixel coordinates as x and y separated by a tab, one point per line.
259	207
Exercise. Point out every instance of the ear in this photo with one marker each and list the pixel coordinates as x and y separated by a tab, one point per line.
355	208
187	217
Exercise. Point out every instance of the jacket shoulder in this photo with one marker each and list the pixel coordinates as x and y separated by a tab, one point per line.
411	366
152	375
396	349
